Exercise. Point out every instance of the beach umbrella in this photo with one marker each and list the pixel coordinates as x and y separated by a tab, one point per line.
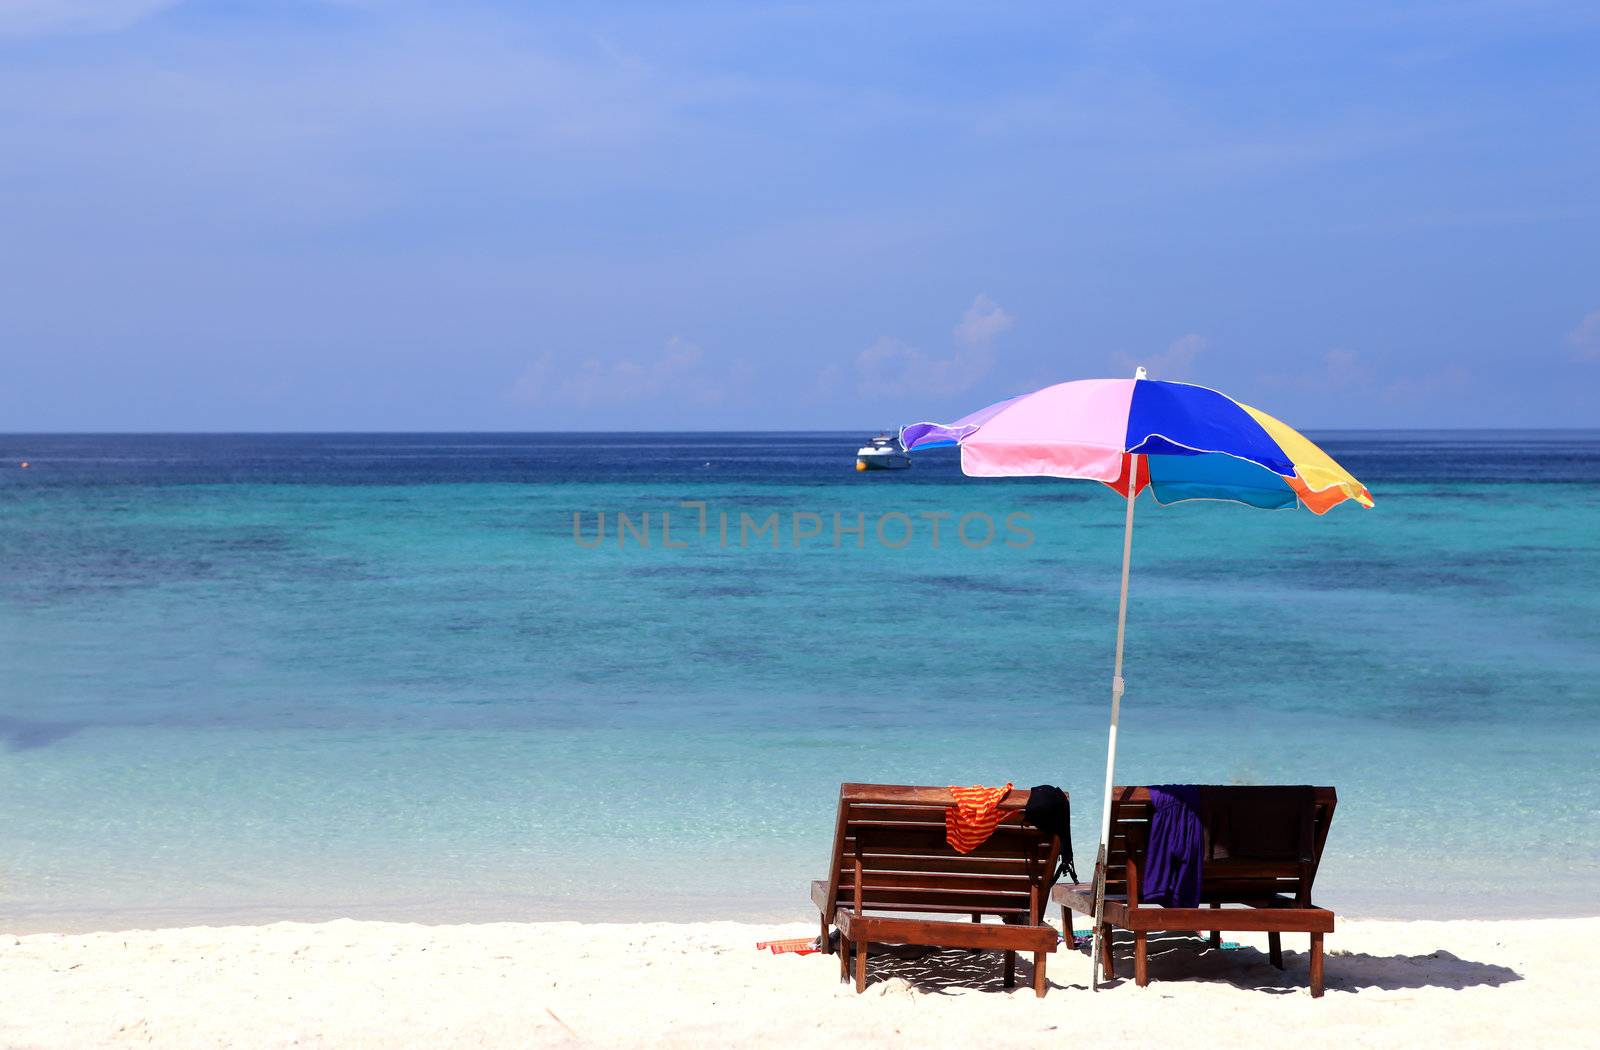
1178	440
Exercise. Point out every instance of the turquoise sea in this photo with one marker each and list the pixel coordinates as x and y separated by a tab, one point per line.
301	676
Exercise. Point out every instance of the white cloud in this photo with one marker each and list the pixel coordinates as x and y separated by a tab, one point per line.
1585	339
983	321
1176	362
1338	370
23	18
1345	379
677	374
1343	369
891	367
1425	389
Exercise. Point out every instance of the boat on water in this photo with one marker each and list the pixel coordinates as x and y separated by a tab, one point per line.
882	453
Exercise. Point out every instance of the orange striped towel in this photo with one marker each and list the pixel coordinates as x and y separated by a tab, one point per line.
969	823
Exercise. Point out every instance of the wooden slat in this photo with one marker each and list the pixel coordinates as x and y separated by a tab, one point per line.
1292	920
986	935
947	863
1253	899
918	854
1009	832
954	901
1227	868
889	842
917	814
921	880
960	908
1230	890
1128	795
895	794
999	884
1073	894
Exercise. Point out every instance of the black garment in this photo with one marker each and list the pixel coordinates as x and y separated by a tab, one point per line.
1050	812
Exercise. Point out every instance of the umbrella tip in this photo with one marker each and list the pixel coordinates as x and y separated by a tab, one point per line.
1140	373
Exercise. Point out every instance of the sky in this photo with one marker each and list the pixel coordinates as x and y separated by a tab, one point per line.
370	215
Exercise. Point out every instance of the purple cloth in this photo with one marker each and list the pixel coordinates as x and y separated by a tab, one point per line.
934	435
1176	853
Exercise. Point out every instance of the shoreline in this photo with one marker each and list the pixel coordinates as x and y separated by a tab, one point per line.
547	911
349	982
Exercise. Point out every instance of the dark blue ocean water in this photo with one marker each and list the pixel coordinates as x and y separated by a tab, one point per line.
264	676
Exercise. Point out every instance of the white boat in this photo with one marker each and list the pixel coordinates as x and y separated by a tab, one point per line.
882	453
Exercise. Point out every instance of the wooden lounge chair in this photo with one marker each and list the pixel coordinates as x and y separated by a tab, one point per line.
1236	894
890	855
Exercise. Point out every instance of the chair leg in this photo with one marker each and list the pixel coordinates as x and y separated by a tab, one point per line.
976	917
1066	927
825	944
861	967
1275	948
1107	967
1216	935
1038	974
1316	966
844	959
1141	962
1011	969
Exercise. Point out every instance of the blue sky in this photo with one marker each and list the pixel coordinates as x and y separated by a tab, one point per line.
370	215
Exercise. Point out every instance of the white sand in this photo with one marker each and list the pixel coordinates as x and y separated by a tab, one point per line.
567	984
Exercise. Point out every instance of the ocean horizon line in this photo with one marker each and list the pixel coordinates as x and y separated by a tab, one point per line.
642	432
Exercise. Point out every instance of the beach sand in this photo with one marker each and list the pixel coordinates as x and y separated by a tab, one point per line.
374	984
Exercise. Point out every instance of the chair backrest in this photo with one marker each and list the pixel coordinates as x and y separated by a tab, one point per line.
1224	880
897	833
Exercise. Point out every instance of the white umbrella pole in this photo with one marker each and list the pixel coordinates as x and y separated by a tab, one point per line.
1111	744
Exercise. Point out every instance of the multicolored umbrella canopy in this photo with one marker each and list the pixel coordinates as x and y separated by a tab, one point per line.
1182	442
1200	444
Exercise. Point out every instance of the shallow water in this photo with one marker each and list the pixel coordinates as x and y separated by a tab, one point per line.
298	676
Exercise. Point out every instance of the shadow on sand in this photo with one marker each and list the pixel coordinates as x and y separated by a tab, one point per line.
1179	957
